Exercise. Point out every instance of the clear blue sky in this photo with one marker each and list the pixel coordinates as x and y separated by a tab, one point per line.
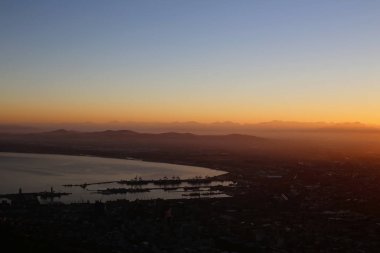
200	60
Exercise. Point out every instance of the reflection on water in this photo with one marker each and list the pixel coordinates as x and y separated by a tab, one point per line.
38	172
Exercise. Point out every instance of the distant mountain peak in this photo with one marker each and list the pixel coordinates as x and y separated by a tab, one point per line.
117	132
61	131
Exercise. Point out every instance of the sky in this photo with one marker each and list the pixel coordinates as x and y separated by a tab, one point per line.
199	60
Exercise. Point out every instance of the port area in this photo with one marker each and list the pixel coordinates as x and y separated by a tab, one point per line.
163	182
191	187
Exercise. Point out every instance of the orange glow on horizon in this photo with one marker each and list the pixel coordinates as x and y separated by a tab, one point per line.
94	114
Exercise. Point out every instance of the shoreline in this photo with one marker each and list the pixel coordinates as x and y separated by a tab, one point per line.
127	158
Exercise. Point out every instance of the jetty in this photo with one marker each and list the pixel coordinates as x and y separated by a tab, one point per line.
138	181
110	191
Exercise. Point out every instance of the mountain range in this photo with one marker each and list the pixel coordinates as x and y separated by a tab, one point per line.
226	127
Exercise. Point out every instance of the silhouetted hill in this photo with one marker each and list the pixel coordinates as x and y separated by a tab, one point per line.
58	132
127	134
123	142
187	148
114	133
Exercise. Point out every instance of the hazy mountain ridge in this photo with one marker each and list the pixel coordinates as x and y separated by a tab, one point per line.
125	143
195	127
132	134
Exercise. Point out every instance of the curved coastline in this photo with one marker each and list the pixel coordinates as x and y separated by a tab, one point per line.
38	173
118	158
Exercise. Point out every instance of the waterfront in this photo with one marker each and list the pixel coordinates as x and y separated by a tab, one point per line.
40	172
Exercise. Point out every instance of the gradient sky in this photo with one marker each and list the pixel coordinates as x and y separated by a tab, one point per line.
173	60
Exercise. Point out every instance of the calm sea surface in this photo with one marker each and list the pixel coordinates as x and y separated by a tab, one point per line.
39	172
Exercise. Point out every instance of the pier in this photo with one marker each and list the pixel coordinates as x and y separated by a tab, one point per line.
161	182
